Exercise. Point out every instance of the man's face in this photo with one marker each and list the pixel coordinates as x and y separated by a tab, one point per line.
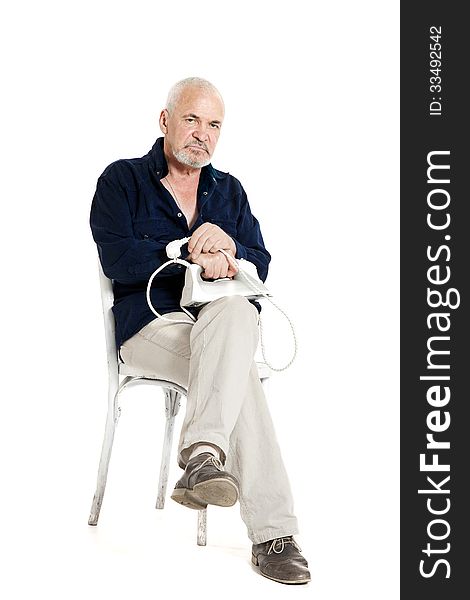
193	127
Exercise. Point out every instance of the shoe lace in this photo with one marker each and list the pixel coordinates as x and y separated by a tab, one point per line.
211	460
274	547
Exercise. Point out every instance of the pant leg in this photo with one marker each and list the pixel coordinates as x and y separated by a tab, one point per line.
223	343
225	404
161	349
254	458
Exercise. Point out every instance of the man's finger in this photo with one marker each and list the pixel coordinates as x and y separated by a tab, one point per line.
197	248
192	249
196	235
212	244
199	240
209	272
223	267
223	270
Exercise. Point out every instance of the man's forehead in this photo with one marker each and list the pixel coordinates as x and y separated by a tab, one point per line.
195	100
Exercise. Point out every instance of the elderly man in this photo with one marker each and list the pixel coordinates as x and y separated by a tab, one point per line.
227	448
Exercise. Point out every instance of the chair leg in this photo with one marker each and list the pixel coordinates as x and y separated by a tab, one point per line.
202	527
172	405
112	418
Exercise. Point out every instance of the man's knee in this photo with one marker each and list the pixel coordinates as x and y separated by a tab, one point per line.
238	305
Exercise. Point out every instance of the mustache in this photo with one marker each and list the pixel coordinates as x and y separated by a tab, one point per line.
202	145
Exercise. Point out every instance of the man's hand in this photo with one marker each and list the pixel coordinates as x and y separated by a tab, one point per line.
210	238
214	265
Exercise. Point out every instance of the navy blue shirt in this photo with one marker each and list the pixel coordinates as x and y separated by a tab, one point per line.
133	217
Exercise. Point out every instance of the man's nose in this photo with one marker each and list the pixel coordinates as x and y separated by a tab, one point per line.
201	133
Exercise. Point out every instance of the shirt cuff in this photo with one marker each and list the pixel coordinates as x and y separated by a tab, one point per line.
241	250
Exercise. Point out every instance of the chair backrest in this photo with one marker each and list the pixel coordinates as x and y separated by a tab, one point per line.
107	301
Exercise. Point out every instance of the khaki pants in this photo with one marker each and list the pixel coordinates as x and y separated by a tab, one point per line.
226	405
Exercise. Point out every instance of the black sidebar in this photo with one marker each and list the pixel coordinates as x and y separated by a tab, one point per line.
435	300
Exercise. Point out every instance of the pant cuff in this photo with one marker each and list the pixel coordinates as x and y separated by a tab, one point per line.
270	534
186	447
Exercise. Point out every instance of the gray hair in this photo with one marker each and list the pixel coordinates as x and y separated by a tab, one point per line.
175	93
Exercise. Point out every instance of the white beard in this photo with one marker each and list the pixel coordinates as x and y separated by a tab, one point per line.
184	156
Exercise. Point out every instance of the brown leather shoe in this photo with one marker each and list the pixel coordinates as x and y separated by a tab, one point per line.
280	560
204	482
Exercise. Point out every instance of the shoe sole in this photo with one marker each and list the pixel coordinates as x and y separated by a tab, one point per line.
187	498
254	560
217	491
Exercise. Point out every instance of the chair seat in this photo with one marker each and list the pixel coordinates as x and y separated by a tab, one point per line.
263	370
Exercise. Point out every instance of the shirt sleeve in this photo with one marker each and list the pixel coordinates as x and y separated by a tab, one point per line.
123	256
249	241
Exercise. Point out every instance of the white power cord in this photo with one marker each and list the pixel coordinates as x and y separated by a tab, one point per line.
173	250
259	291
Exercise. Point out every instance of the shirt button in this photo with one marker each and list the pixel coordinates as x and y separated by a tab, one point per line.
146	237
158	172
180	214
205	193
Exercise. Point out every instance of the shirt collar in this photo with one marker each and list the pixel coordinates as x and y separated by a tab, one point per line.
160	166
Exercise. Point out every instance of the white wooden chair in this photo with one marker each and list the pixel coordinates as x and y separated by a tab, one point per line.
120	377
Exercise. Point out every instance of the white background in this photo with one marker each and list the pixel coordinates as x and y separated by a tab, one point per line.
311	130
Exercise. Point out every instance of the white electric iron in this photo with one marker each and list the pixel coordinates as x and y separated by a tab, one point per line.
198	291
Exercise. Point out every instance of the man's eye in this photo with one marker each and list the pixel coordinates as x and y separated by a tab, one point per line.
190	120
215	125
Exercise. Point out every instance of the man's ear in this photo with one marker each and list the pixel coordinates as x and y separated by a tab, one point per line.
164	121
